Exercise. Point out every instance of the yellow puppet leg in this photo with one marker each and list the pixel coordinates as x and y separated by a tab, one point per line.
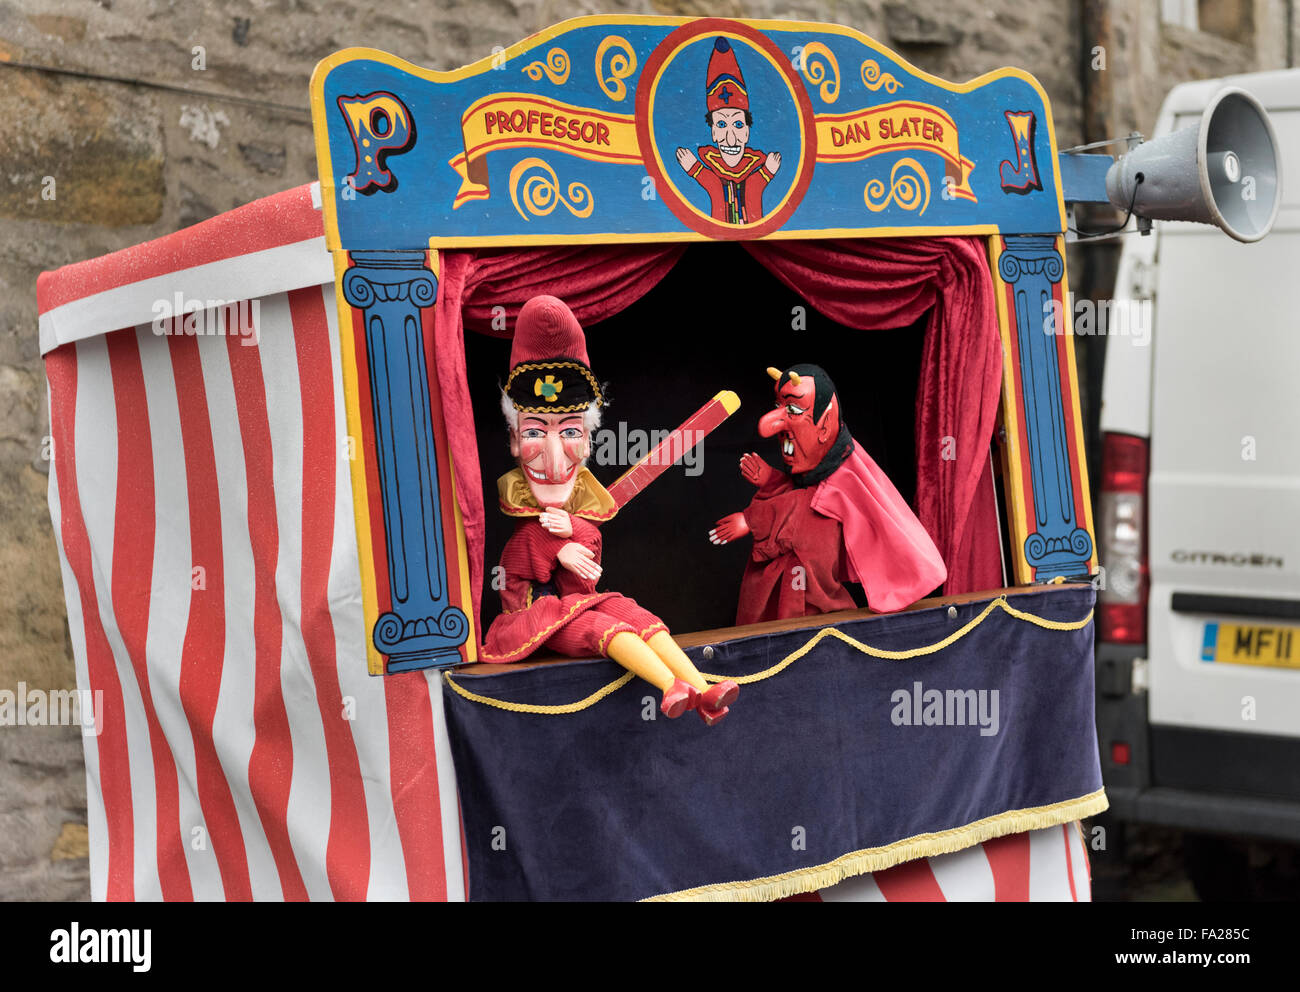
675	658
637	657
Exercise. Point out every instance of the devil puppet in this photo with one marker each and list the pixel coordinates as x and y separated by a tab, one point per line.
552	562
832	518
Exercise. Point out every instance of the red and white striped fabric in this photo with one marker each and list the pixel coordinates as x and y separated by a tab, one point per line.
203	513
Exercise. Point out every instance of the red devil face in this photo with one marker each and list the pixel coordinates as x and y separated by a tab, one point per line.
804	441
550	448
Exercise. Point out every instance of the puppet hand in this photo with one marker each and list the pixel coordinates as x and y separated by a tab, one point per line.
754	469
773	162
732	527
686	159
556	522
580	560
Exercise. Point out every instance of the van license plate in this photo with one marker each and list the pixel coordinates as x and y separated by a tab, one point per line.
1251	644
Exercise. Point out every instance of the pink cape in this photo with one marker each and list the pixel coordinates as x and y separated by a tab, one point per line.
889	551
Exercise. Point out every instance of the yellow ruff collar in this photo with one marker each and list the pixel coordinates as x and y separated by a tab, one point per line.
589	498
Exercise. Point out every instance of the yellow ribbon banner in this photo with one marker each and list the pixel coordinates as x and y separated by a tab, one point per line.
520	120
892	127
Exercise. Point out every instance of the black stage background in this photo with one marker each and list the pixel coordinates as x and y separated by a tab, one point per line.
716	321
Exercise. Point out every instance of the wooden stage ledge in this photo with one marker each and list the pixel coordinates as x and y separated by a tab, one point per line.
699	638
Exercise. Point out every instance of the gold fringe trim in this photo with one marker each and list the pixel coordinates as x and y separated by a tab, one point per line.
1000	603
878	858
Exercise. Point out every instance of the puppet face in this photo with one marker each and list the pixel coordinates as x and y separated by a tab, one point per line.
804	441
730	134
550	448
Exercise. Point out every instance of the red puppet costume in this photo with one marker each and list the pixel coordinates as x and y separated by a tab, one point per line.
733	174
552	561
834	518
555	607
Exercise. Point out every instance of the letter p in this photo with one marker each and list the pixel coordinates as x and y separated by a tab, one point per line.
379	125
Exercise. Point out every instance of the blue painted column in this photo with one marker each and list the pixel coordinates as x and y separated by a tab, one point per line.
1059	545
423	629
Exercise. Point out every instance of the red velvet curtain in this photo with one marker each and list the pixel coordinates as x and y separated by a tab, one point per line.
865	284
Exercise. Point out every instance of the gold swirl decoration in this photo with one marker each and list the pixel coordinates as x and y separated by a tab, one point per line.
873	79
816	71
556	67
541	191
621	65
910	191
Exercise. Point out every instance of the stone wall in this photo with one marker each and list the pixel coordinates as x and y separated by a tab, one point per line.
1254	35
124	120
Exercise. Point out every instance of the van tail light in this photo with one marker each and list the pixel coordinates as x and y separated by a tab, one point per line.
1122	599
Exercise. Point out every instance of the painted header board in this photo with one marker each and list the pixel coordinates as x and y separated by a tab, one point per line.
606	129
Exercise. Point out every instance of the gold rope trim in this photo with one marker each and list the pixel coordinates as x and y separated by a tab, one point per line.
953	638
599	398
575	408
879	858
999	603
556	710
619	627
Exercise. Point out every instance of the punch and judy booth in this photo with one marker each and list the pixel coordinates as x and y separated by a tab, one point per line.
277	438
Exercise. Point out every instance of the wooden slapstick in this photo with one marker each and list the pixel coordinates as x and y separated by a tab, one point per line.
692	431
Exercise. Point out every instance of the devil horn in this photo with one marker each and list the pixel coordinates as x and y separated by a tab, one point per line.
794	378
774	373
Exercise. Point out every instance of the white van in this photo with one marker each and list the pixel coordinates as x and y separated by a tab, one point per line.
1199	519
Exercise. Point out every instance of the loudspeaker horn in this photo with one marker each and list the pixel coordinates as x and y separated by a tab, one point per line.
1224	171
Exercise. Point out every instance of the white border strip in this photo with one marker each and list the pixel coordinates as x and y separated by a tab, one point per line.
244	277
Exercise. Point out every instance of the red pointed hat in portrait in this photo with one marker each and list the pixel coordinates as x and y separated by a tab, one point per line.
724	85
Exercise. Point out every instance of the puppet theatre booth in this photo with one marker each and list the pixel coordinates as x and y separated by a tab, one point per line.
638	470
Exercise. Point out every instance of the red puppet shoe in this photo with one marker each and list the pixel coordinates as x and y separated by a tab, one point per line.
719	696
713	717
680	697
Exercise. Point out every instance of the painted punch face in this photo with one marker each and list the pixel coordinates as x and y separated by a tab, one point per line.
730	134
550	448
804	441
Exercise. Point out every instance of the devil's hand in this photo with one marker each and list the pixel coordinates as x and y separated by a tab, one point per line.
732	527
580	560
773	162
556	522
686	159
754	469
